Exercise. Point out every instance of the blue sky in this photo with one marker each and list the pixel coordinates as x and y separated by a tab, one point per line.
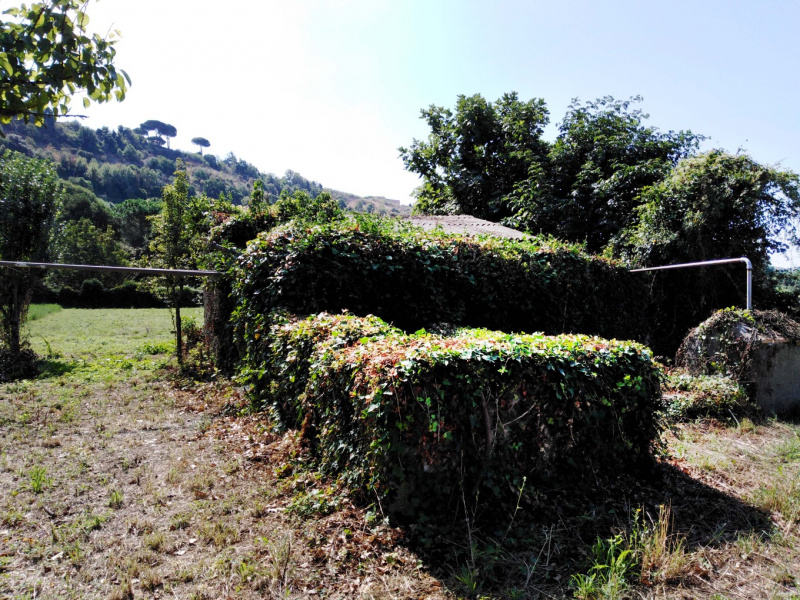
331	88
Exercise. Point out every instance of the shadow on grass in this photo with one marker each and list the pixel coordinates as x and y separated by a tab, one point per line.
542	546
49	367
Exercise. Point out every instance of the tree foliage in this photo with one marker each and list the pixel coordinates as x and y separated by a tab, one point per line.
29	194
603	157
172	241
475	157
201	142
715	205
711	206
46	55
489	160
81	242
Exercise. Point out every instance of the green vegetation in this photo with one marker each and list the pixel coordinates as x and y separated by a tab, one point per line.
115	165
39	311
426	422
29	196
47	56
414	279
80	336
621	188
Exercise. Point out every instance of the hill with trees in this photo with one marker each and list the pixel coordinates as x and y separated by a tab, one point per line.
124	164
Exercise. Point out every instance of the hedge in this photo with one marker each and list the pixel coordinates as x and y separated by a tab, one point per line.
427	425
414	279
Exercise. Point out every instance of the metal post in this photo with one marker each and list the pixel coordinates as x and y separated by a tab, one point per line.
706	263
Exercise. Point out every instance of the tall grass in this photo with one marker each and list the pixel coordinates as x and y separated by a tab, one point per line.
39	311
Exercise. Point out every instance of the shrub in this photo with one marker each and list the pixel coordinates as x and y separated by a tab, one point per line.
428	423
414	279
688	397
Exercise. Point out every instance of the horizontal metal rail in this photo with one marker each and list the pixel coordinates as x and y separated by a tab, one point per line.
706	263
108	269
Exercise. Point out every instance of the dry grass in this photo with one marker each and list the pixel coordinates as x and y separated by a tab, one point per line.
119	482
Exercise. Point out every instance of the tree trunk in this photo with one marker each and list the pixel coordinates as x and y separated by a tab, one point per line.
178	336
16	314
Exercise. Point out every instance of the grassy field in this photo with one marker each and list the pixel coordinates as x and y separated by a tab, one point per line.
119	479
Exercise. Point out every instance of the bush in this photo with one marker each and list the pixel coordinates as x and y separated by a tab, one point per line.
688	397
18	365
428	423
414	279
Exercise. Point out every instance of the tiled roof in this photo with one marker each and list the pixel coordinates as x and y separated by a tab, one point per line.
466	224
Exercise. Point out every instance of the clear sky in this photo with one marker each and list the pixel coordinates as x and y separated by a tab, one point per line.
331	88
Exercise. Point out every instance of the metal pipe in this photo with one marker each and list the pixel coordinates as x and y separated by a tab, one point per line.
706	263
146	270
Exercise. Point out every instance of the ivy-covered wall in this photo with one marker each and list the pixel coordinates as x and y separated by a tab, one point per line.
413	280
428	424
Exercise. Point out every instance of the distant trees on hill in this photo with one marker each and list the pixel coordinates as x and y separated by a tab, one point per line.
115	165
201	142
163	129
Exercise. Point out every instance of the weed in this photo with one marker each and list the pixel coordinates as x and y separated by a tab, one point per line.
150	580
247	569
155	541
75	552
39	480
156	348
468	578
662	555
319	502
279	572
12	517
116	498
782	495
180	521
218	534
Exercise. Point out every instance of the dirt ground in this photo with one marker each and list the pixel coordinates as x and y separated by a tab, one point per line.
140	489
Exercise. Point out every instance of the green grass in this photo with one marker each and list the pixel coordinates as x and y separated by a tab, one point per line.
38	311
83	334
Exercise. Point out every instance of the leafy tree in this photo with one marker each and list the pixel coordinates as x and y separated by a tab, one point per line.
715	205
29	195
151	125
202	143
258	200
603	157
476	157
171	243
134	219
168	131
79	203
81	242
303	207
161	128
46	56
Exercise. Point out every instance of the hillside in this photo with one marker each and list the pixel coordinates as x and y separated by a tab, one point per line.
123	164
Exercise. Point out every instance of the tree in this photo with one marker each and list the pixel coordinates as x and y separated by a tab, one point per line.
168	131
29	195
134	219
46	56
474	158
162	129
603	157
490	161
81	242
715	205
202	143
172	242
